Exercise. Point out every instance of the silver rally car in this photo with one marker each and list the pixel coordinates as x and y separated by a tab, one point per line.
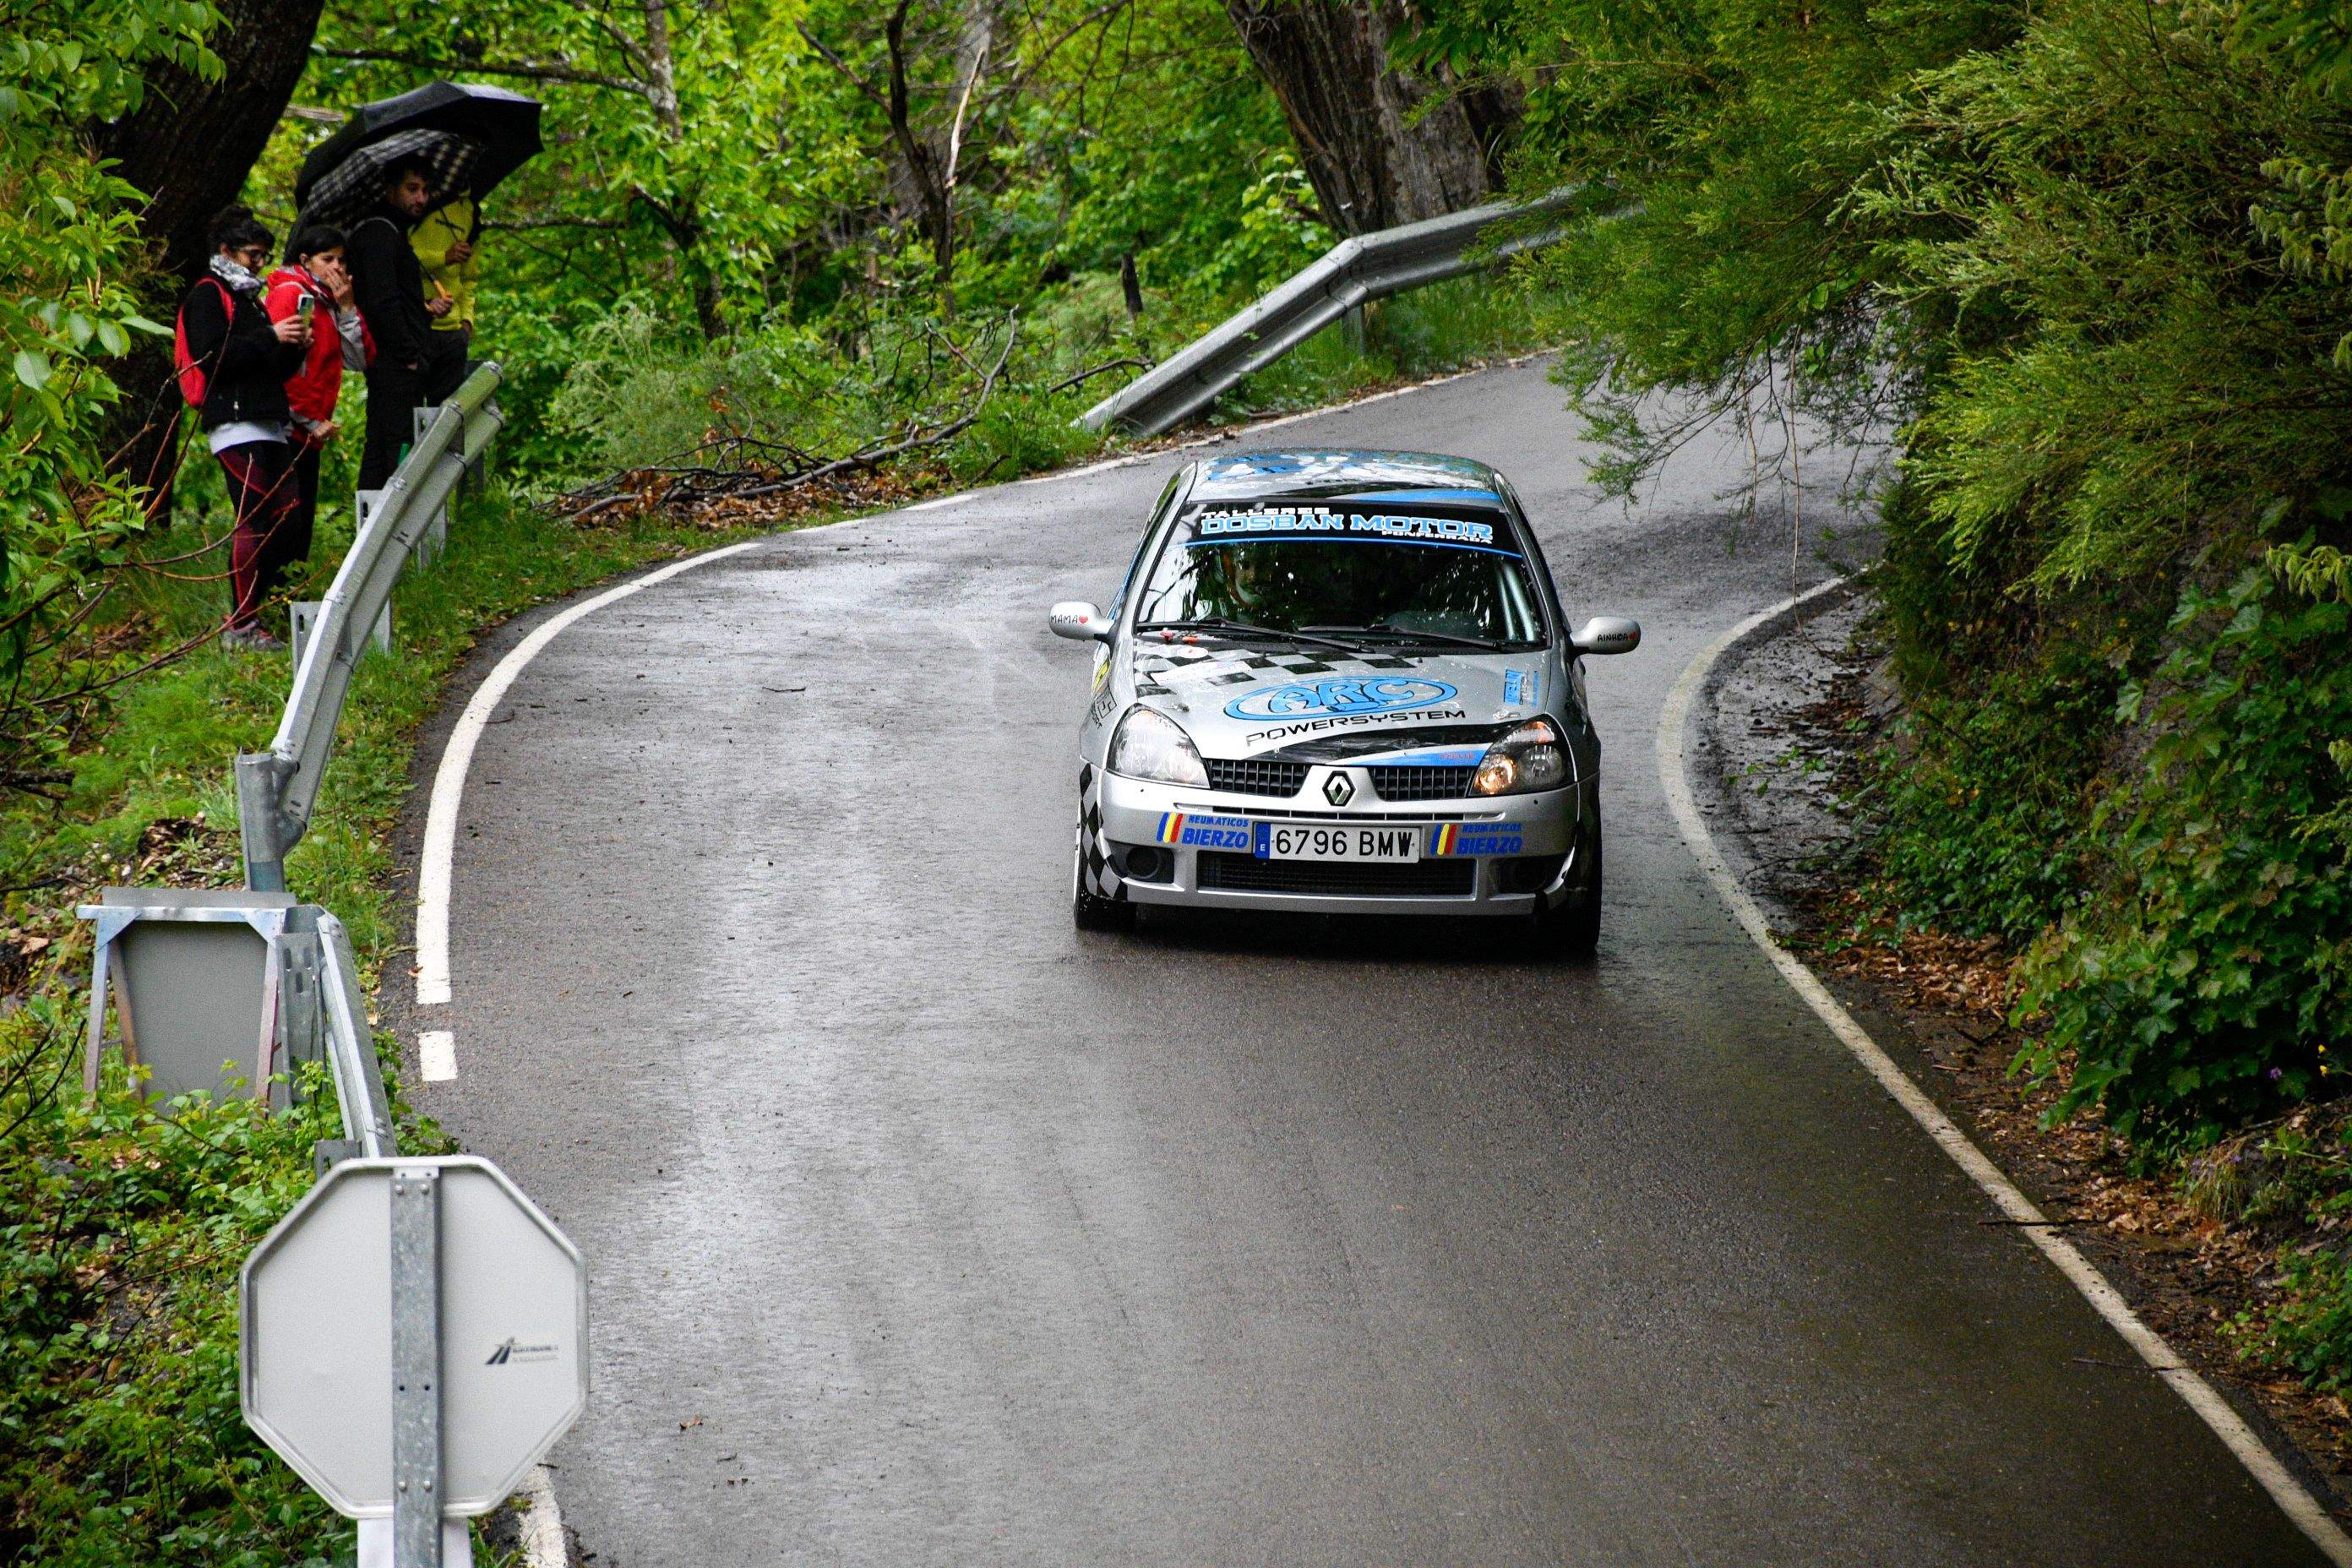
1341	682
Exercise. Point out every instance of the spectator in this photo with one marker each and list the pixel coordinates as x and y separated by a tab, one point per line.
314	283
389	287
245	358
444	243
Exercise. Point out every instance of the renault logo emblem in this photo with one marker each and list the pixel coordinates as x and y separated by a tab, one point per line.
1337	790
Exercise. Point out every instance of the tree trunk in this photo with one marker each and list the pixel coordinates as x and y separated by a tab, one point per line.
189	147
679	220
1351	113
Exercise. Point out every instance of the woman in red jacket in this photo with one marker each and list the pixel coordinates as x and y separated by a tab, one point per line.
313	281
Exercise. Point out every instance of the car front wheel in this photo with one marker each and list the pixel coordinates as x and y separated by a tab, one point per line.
1573	929
1089	911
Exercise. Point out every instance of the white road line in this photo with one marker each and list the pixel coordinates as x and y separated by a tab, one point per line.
2288	1491
436	1056
449	779
543	1524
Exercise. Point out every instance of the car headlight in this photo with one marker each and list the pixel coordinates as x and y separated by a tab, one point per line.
1150	745
1530	758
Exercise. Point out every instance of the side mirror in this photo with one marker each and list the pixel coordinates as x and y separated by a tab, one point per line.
1607	634
1079	620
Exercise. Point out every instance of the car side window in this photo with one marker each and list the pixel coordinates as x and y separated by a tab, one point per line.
1548	587
1160	509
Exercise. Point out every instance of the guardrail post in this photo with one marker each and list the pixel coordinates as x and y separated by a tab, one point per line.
263	821
305	616
436	537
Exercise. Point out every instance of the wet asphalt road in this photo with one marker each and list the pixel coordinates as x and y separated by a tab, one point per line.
925	1230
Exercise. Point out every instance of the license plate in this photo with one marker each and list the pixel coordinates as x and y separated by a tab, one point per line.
1336	841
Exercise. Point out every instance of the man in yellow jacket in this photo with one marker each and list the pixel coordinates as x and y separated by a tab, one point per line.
444	242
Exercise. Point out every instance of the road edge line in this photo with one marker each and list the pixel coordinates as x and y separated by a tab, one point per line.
439	849
2269	1472
543	1524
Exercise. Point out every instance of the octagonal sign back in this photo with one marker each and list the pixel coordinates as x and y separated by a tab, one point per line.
316	1335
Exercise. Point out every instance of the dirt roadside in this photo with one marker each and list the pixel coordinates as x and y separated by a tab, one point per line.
1780	724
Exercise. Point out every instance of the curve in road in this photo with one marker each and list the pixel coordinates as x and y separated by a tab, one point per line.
925	1230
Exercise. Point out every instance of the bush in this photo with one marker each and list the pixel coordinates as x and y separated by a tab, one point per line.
1977	802
120	1438
2208	981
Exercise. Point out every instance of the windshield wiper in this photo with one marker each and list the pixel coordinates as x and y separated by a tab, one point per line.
1221	624
1393	629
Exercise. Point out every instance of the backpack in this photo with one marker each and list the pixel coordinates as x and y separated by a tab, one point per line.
184	369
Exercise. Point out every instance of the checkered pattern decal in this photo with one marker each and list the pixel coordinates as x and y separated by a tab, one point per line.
1094	874
1158	671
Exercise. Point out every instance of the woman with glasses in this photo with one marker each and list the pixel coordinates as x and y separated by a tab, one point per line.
245	358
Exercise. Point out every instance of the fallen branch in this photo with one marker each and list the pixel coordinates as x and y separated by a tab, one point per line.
1130	363
697	485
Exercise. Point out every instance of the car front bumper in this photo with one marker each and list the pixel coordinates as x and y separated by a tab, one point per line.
1136	815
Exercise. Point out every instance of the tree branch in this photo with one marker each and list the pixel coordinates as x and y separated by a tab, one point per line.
521	224
529	70
848	72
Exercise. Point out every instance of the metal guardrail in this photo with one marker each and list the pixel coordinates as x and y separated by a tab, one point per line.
254	977
1352	274
351	1051
276	789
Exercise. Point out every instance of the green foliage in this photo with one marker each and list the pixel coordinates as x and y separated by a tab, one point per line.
1976	804
2088	263
68	235
761	195
121	1228
2151	373
2207	983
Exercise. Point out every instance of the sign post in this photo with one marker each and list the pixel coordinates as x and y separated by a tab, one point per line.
413	1338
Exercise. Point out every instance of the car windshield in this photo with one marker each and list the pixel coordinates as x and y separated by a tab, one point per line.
1364	570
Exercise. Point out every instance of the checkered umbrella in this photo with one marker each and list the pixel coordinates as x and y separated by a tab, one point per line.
349	191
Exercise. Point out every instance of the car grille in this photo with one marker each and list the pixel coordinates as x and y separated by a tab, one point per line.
1257	778
1433	878
1414	783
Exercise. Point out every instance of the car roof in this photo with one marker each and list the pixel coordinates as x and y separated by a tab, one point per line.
1349	473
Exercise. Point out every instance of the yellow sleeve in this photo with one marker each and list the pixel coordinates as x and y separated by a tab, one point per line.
431	240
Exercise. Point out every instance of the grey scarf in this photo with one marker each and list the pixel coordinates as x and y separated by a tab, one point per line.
238	280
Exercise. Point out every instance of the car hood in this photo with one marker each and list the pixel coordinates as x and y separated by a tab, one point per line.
1257	701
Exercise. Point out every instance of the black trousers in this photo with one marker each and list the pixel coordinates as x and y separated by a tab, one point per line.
445	372
395	393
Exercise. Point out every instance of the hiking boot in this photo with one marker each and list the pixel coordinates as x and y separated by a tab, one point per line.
251	639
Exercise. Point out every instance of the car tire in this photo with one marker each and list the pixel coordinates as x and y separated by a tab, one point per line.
1573	929
1089	911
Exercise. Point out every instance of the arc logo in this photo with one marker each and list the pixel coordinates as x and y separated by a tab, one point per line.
1343	695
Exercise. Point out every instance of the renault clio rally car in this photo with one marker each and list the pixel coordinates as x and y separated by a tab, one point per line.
1341	682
